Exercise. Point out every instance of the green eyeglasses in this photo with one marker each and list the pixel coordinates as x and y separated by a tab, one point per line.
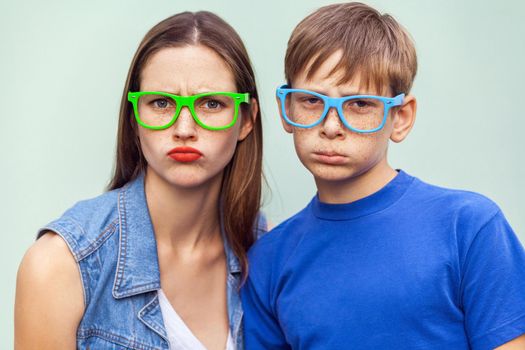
211	110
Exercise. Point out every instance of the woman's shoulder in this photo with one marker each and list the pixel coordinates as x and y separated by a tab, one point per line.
48	283
49	259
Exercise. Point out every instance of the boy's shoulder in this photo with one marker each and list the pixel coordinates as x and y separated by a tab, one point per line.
449	201
454	215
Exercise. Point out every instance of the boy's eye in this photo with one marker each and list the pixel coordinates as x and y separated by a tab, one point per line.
361	103
312	100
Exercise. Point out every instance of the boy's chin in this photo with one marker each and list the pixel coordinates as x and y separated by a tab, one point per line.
333	174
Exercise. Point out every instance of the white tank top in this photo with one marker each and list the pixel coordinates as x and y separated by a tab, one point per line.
179	335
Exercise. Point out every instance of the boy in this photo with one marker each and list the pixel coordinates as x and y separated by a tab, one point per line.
378	259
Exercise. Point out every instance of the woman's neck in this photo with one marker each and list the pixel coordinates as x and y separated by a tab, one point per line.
183	218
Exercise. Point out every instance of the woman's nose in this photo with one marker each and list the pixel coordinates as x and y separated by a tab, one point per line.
185	126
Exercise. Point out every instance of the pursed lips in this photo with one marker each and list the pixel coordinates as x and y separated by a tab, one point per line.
329	157
328	153
184	154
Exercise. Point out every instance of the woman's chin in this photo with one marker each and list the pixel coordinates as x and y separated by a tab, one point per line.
191	180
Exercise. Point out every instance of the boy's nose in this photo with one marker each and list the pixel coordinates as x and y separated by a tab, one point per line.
185	128
331	126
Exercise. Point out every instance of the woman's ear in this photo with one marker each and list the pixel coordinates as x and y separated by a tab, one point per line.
404	119
248	120
287	127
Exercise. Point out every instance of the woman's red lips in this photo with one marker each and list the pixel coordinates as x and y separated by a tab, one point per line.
184	154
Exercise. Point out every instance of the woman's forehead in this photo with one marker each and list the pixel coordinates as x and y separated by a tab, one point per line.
191	67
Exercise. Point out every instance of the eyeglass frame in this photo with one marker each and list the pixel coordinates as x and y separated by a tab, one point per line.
189	102
337	103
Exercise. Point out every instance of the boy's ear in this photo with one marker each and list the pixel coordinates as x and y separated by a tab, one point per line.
248	120
404	119
287	127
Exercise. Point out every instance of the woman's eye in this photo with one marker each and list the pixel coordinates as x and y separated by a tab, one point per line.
212	104
160	103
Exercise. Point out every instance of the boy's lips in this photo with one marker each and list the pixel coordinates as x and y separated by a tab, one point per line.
184	154
330	157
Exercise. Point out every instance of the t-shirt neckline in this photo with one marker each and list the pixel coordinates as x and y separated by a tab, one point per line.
375	202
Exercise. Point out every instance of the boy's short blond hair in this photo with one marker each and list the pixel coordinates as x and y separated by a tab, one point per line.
373	45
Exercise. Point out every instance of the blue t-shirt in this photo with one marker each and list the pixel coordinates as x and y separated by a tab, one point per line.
412	266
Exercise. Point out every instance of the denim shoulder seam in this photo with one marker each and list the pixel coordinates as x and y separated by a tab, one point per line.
71	244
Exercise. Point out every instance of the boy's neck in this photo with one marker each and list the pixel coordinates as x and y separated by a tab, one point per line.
356	187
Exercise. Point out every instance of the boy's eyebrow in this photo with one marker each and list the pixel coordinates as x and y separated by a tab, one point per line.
345	93
354	92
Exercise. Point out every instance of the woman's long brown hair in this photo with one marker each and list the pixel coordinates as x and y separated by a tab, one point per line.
242	179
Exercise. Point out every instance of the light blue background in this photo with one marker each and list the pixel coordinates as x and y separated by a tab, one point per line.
63	65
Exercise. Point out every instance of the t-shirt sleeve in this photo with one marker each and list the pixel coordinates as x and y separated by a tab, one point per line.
261	327
493	286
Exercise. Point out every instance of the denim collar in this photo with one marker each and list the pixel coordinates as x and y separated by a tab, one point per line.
138	266
234	267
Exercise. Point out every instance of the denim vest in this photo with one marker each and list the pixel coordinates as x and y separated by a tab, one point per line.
112	240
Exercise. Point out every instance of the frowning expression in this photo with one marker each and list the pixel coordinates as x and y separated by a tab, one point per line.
185	154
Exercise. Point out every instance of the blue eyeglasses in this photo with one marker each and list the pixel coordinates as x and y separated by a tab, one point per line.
359	113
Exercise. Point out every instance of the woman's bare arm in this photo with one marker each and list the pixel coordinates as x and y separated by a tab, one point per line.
49	300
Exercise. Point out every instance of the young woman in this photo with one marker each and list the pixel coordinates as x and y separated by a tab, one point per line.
157	261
